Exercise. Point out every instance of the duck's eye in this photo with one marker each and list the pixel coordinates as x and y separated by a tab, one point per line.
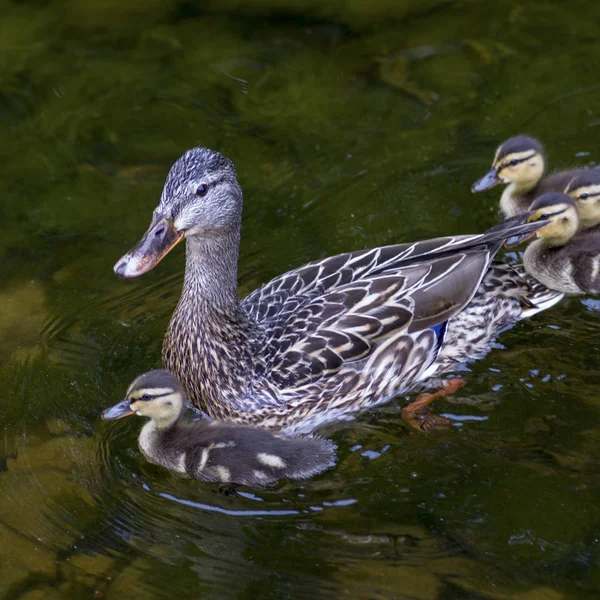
544	217
201	190
513	162
146	397
584	196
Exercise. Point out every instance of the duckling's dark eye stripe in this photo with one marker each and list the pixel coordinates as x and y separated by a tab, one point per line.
153	396
153	392
515	161
555	214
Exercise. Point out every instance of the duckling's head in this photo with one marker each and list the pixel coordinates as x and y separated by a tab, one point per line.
518	160
584	188
560	212
155	394
201	197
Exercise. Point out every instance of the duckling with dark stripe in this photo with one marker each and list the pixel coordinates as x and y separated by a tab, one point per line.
520	162
584	188
216	451
564	256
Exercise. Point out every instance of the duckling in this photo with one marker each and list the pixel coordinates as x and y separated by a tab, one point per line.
563	257
216	451
584	188
520	162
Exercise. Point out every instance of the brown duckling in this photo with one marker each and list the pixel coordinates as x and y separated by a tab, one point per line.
216	451
520	162
563	257
584	188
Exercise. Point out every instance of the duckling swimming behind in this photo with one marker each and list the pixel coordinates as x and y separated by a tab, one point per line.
563	257
216	451
584	188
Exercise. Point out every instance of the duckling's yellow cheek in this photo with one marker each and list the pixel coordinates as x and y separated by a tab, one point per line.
137	408
543	231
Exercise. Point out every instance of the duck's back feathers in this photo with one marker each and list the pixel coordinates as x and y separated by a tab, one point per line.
277	300
342	309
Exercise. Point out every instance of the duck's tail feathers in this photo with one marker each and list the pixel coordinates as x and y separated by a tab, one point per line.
541	301
539	298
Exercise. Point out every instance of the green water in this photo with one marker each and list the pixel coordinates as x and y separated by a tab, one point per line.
352	125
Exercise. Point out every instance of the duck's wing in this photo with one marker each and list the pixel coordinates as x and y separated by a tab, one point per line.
289	291
340	310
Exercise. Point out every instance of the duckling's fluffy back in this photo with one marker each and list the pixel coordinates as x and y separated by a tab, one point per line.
221	452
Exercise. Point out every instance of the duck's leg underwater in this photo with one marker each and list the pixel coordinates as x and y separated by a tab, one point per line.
414	414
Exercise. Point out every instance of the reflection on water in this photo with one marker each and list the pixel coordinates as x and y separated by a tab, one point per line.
352	125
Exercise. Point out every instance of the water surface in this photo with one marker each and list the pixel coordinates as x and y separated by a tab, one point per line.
352	125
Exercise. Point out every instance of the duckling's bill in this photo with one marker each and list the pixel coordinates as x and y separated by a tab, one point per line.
489	180
118	411
159	240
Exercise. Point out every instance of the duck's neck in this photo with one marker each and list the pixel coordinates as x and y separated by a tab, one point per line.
210	342
211	271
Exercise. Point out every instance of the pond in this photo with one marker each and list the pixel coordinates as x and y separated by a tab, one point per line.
352	125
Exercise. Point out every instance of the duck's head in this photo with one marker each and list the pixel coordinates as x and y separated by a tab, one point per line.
155	394
201	197
560	214
518	160
584	188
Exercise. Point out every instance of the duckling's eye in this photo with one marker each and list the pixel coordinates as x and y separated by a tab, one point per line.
584	196
513	162
201	190
544	217
146	397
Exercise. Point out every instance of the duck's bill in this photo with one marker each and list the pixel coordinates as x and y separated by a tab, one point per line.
118	411
489	180
157	242
515	240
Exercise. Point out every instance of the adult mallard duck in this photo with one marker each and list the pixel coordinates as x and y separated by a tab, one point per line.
563	257
216	451
519	162
329	338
